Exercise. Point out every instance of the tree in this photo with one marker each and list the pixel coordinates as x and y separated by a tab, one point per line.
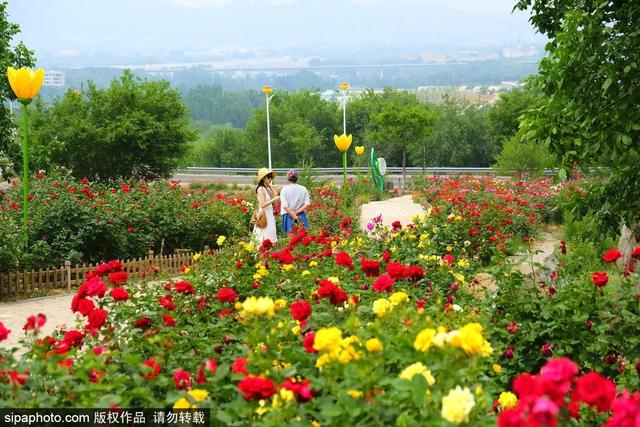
398	126
132	128
460	138
504	116
522	157
17	57
590	77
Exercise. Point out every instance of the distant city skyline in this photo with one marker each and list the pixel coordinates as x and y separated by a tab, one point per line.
91	32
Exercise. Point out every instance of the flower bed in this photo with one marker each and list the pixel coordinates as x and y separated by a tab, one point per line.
332	327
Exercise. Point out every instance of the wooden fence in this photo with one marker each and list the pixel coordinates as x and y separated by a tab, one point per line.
67	277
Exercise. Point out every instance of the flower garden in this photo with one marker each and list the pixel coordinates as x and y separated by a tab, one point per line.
337	326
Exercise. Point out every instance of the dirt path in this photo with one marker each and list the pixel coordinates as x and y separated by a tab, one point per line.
396	209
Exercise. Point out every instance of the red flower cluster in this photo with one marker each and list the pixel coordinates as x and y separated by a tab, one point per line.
184	287
395	270
119	294
300	310
182	379
342	258
332	291
151	369
35	322
4	332
370	267
256	388
542	397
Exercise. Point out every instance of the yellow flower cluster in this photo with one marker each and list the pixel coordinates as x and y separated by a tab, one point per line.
470	339
257	307
221	240
417	369
247	246
457	405
333	347
382	306
261	271
196	394
374	345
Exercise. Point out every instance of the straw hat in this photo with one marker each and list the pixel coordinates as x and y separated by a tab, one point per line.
264	172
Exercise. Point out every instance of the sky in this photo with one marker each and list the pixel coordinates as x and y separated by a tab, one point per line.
68	28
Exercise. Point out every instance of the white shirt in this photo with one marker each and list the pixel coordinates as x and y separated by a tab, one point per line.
293	196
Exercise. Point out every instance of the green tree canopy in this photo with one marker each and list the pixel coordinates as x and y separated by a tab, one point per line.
132	128
591	79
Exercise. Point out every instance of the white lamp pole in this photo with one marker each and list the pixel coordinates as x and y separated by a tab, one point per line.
344	87
267	91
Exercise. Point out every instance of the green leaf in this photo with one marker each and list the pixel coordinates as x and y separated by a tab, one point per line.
606	84
332	410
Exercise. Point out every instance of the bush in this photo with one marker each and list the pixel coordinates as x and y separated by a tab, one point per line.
523	157
91	222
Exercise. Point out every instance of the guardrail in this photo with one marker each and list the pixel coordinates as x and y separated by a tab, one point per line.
394	170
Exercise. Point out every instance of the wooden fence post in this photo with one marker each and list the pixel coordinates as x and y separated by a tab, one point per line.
150	259
206	250
67	267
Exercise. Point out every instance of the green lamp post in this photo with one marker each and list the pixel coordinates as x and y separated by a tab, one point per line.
25	83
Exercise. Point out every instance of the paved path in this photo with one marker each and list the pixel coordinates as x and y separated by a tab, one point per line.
14	315
396	209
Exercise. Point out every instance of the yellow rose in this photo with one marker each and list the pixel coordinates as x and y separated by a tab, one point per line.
457	405
355	394
327	339
424	340
507	400
496	368
382	307
417	369
373	345
398	297
220	240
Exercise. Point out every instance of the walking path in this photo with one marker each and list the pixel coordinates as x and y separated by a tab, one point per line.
14	315
401	209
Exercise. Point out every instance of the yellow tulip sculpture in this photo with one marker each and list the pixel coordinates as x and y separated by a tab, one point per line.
26	84
359	150
343	142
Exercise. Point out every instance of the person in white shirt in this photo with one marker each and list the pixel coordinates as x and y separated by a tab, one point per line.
294	202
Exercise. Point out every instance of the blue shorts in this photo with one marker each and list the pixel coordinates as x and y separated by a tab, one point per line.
288	224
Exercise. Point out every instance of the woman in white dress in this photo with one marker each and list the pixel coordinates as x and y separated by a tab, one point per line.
267	196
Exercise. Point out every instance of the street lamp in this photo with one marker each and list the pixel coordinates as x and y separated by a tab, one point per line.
344	86
25	83
267	92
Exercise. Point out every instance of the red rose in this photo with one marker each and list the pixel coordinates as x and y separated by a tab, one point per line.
383	283
167	302
342	258
595	390
547	349
285	257
395	270
168	320
144	322
414	273
35	322
600	279
301	389
544	413
182	379
511	418
625	410
16	378
84	306
448	258
4	332
300	310
118	277
97	318
119	294
239	366
396	225
73	338
332	291
184	287
308	341
512	328
370	267
386	256
636	253
151	369
96	287
227	295
612	255
256	388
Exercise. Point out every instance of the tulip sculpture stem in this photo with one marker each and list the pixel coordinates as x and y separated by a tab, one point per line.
344	175
25	171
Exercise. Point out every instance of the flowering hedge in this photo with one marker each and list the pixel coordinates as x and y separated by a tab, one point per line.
334	327
89	221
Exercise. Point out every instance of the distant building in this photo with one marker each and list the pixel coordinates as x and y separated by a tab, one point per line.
54	78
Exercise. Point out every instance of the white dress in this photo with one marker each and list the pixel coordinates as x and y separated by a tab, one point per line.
269	232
